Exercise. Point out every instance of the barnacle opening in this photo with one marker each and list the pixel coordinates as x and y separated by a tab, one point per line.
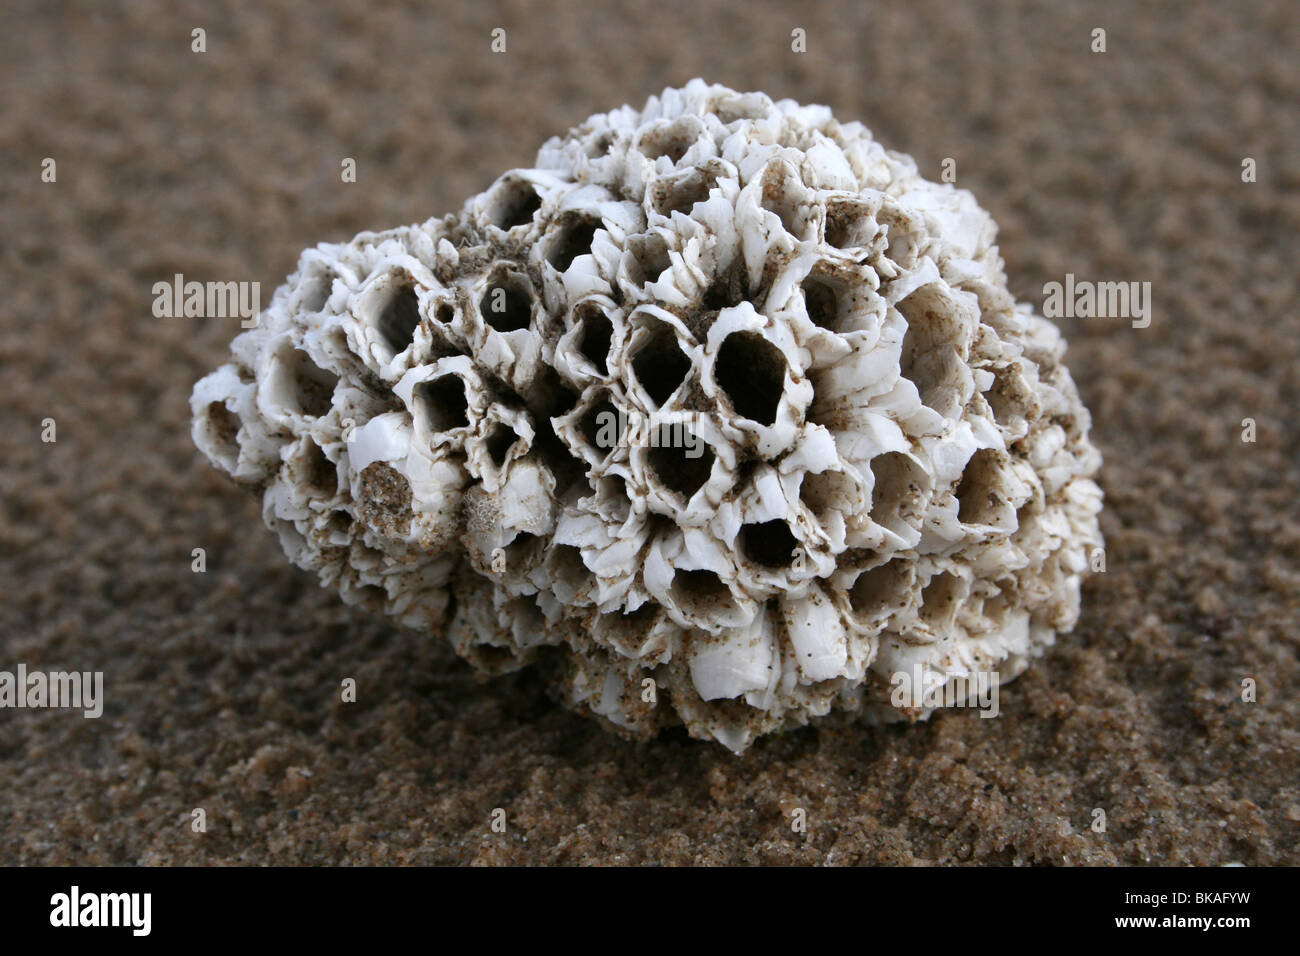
825	490
1009	396
730	287
507	305
674	466
339	522
599	425
649	258
1029	513
730	109
601	145
223	427
445	402
628	629
901	236
522	553
822	297
399	318
556	456
320	473
371	597
611	492
995	610
567	569
939	600
881	590
313	385
779	197
681	193
596	334
848	226
769	543
977	501
701	594
514	204
672	140
613	487
896	494
317	291
573	239
751	370
929	356
659	364
498	442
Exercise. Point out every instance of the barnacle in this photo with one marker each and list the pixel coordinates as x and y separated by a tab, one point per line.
721	411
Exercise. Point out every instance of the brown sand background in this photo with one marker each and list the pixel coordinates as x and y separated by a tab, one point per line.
222	689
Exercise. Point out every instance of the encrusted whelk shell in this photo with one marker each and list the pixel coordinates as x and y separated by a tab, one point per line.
721	405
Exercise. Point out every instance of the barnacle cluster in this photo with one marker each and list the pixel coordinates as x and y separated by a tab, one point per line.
721	412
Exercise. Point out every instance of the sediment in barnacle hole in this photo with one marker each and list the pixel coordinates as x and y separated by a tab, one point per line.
720	395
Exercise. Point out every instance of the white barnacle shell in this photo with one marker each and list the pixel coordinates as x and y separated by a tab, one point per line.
721	403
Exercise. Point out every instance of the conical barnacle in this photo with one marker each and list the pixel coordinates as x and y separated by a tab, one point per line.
721	408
